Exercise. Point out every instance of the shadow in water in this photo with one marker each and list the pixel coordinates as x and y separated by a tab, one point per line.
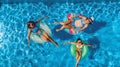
96	43
61	34
95	27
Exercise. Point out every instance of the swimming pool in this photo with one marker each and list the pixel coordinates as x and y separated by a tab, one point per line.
104	34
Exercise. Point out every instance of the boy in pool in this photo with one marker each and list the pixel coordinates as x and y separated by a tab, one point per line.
32	27
83	23
67	24
79	46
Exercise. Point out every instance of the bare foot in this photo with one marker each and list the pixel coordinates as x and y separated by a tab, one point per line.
56	44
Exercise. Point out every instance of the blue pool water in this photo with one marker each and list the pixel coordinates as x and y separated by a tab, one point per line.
104	34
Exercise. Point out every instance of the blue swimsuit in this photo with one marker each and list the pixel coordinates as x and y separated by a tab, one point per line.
35	30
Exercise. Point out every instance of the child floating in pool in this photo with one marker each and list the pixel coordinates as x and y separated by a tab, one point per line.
83	23
40	32
67	24
79	46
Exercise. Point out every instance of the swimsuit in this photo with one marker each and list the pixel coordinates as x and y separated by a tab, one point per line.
78	49
35	30
41	32
82	24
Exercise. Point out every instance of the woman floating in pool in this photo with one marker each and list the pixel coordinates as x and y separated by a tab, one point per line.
83	23
33	28
67	24
79	44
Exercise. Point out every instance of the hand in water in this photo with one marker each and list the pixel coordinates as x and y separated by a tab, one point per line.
80	31
46	16
29	42
66	43
57	30
92	46
77	31
56	23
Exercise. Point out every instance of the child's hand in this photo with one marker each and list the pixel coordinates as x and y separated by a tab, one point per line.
65	43
29	42
92	46
80	31
46	16
56	23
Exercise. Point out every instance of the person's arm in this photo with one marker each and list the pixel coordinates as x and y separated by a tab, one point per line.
83	28
29	32
37	21
75	16
70	43
68	22
59	22
88	45
82	17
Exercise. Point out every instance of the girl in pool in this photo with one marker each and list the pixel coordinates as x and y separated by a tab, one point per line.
79	46
67	24
32	27
83	23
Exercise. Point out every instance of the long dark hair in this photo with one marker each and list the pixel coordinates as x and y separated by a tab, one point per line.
30	22
78	40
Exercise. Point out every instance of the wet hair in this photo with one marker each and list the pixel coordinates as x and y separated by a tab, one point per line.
78	40
30	22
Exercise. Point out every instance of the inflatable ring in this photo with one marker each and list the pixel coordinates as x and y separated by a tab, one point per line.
73	50
68	31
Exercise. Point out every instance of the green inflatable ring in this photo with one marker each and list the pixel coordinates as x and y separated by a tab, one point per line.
73	50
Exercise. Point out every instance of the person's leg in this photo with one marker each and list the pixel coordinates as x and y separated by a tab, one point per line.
41	35
71	27
63	27
62	23
78	56
49	38
44	38
73	30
